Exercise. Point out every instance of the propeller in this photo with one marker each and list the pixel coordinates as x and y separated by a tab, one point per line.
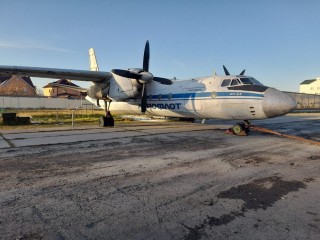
227	72
143	76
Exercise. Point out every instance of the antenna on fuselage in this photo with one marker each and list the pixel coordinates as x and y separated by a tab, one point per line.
242	73
226	70
214	72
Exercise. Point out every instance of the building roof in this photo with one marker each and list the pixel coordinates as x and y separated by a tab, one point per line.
308	81
3	79
26	79
61	82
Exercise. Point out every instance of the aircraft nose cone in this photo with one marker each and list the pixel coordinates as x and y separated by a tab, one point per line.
276	103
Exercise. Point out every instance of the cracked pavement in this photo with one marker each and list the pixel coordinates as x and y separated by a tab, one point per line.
167	181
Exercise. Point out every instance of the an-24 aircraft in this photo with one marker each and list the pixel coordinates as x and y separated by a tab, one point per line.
136	91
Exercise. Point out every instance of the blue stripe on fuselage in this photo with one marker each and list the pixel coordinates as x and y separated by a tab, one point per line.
242	94
181	96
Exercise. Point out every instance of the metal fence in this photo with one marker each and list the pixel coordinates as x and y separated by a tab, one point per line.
306	101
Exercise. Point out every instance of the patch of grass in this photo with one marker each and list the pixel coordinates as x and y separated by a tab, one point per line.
53	118
61	118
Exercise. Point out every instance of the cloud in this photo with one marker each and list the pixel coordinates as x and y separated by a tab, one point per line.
12	44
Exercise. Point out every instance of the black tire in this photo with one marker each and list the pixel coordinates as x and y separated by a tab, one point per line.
106	121
238	128
186	120
101	122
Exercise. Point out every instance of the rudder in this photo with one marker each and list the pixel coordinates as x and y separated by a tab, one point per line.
93	61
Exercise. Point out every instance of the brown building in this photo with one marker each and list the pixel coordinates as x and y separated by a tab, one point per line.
63	88
17	86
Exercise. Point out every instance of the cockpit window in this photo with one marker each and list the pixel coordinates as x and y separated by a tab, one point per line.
250	81
225	82
234	82
240	81
246	81
256	82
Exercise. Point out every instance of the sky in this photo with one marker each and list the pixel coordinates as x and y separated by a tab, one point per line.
276	41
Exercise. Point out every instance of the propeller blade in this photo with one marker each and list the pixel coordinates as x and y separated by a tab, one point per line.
226	70
126	73
144	99
164	81
242	73
146	57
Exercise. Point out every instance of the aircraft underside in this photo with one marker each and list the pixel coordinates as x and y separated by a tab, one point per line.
200	109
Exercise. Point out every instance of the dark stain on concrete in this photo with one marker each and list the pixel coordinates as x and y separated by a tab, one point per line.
262	193
258	194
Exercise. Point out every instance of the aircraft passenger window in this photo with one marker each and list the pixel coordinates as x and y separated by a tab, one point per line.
150	97
159	97
225	82
234	82
170	96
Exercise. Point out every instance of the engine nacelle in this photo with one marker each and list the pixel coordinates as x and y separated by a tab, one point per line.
116	88
99	90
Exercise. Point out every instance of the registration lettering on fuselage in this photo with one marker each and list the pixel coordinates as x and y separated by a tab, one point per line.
163	105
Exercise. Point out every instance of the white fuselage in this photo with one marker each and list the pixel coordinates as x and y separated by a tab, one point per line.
201	98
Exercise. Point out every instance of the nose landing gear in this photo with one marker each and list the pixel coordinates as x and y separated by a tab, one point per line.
240	129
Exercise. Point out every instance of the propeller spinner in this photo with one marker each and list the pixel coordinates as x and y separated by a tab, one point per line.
143	76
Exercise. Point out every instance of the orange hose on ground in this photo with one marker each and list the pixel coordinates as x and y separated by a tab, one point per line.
261	129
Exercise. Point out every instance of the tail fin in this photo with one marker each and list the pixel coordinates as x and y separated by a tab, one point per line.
93	61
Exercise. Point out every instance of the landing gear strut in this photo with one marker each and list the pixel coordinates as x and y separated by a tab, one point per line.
240	129
108	120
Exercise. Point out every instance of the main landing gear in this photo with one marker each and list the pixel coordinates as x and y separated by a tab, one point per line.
108	120
240	129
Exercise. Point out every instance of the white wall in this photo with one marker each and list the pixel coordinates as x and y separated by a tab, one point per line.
312	88
43	102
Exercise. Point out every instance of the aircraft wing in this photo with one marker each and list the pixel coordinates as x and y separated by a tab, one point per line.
80	75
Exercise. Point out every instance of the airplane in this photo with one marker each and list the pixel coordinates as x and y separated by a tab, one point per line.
137	91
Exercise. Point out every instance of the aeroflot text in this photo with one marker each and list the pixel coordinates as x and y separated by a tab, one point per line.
163	105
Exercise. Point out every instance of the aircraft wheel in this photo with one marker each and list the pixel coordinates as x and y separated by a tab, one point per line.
186	120
101	122
107	121
238	128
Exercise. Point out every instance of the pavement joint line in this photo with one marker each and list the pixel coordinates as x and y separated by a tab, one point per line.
75	134
116	130
81	141
83	128
7	141
266	130
187	130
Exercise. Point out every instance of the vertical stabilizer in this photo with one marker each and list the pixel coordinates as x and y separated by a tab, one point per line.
93	61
